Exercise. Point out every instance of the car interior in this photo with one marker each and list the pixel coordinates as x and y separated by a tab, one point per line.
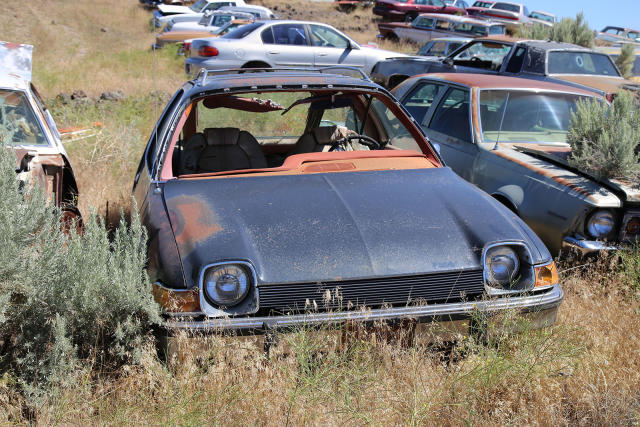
243	132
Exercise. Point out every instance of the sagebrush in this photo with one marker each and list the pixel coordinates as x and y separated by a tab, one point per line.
605	139
568	30
68	302
625	60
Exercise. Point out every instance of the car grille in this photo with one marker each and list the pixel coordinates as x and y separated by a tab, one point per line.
630	230
374	292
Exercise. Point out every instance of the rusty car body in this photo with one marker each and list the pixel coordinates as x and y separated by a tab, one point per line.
533	59
28	129
507	135
291	198
169	37
435	25
615	35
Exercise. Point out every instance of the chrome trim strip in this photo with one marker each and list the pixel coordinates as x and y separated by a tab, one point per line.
587	246
427	313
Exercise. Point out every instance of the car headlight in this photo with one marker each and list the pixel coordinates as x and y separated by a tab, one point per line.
601	224
502	265
226	285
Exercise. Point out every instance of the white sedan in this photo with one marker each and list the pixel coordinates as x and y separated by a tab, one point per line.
282	44
166	12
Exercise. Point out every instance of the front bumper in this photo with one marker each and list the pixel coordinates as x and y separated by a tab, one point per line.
547	301
585	247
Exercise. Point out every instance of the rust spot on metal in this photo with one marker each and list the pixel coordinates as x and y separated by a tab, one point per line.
201	221
562	181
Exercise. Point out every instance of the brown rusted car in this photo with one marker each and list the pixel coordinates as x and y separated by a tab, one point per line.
27	127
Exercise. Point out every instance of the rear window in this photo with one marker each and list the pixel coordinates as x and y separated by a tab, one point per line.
565	62
242	32
507	6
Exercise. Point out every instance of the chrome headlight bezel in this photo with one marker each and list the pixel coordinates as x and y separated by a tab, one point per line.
591	225
524	277
248	304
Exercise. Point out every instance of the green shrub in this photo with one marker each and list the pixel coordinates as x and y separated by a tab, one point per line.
625	60
568	30
605	139
67	302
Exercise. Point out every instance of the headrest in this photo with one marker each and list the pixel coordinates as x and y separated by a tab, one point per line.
221	136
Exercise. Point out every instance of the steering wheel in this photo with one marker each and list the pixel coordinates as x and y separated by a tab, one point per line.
475	59
364	140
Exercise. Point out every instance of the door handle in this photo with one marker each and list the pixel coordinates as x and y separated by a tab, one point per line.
323	54
274	52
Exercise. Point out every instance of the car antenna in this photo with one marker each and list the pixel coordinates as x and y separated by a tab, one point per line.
504	110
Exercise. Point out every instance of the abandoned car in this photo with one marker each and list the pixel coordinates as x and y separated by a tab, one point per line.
533	59
27	128
508	136
284	198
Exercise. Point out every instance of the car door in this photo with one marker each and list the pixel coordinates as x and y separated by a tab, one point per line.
287	45
332	48
449	126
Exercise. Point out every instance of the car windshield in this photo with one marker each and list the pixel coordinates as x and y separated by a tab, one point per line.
507	6
541	16
242	32
567	62
520	116
198	6
483	55
18	123
271	126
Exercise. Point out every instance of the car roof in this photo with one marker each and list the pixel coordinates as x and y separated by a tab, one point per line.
278	79
538	44
451	39
456	18
489	81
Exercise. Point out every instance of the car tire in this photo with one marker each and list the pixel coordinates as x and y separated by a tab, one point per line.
409	17
249	65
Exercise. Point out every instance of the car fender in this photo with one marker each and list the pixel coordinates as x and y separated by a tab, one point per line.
514	195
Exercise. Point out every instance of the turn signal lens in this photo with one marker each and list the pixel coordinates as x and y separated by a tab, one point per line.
546	275
181	301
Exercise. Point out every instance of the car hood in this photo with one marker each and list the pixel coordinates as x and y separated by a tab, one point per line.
608	84
559	155
167	9
324	227
381	53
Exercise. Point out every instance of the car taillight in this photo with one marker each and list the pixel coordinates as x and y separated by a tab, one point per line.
609	97
186	46
208	51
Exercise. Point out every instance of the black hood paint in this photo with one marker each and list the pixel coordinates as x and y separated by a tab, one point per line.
333	226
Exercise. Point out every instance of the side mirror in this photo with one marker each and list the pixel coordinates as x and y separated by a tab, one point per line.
352	45
448	61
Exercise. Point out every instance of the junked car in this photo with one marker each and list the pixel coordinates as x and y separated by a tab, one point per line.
304	198
512	14
478	7
618	35
508	136
27	128
433	25
166	13
408	10
177	36
543	18
533	59
221	16
282	44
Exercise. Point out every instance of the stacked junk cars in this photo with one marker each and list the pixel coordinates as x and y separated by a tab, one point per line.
301	179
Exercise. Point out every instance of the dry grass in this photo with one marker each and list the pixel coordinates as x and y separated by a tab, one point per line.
584	371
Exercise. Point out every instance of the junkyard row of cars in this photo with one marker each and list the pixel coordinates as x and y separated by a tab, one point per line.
303	193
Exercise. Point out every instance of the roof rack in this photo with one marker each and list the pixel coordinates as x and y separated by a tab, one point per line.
204	73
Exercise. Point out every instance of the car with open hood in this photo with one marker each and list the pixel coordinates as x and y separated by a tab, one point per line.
166	12
533	59
508	136
28	129
296	198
